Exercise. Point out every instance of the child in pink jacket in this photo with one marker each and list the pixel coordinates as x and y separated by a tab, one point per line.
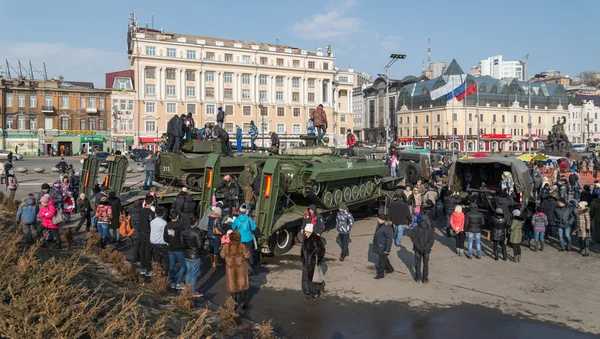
47	211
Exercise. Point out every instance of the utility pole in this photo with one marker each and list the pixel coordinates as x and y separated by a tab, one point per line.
529	139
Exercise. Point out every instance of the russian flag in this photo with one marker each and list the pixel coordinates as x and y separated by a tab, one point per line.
470	90
460	89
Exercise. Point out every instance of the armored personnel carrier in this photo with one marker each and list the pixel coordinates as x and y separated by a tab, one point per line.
186	169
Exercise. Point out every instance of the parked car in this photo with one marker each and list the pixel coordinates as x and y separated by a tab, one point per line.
139	154
102	156
4	155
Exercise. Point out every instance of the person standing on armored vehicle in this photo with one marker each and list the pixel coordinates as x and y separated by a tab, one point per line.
220	117
274	142
189	125
319	116
230	188
171	132
223	136
238	138
253	134
245	180
350	141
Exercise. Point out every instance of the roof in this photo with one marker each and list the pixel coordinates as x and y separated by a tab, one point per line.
76	85
454	69
595	98
154	34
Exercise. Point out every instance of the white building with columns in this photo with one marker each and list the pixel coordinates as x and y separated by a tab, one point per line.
584	122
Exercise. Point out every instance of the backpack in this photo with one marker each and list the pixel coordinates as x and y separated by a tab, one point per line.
29	215
572	179
125	228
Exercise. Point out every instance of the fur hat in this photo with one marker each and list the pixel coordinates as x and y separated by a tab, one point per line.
309	228
583	204
516	213
217	210
235	236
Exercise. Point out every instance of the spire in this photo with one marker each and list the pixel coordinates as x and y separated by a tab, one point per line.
454	69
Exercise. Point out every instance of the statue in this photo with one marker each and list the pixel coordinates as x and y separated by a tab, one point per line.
557	138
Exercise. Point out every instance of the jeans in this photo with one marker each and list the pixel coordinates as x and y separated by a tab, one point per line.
393	171
103	229
538	236
321	130
148	179
193	270
399	232
213	245
424	258
220	124
176	257
383	265
477	236
345	239
253	143
239	145
562	234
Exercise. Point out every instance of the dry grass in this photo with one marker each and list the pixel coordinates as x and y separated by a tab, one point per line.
226	316
92	243
160	282
70	237
184	300
197	328
265	331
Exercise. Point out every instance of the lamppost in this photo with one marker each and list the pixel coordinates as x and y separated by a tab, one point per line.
588	121
394	58
529	139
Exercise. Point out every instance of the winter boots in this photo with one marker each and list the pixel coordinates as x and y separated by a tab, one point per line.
504	254
517	258
495	254
459	251
541	245
535	246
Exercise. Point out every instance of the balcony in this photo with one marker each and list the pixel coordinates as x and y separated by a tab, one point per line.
48	109
91	110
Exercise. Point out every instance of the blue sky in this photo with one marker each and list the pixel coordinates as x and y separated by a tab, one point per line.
82	40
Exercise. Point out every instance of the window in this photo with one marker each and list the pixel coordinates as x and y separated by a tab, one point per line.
32	100
400	120
437	117
279	95
280	128
150	89
210	56
47	100
427	119
296	112
123	125
64	101
539	120
342	130
503	118
311	65
295	96
246	59
228	94
228	57
115	104
280	62
279	81
9	123
229	127
246	79
245	94
101	102
342	118
150	126
210	92
82	124
228	109
311	83
325	65
228	78
130	105
191	108
190	75
246	127
311	97
101	124
343	79
263	60
521	119
171	90
280	111
454	116
262	94
171	108
247	110
9	100
190	91
210	109
150	73
191	54
48	123
21	122
170	74
92	123
21	100
296	129
514	118
150	50
131	125
264	111
209	76
150	107
171	52
123	104
92	103
296	63
32	123
295	82
262	80
417	119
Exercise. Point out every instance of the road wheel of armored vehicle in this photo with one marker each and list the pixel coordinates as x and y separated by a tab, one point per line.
338	197
327	199
363	190
347	191
370	187
355	192
284	240
412	172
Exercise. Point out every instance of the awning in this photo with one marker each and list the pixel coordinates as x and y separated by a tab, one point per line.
149	140
92	138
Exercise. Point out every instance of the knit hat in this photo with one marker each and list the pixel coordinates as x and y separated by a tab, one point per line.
57	182
516	213
499	211
243	209
45	198
583	204
343	206
45	186
309	228
458	209
220	109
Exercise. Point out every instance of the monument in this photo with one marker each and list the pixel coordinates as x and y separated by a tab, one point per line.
558	142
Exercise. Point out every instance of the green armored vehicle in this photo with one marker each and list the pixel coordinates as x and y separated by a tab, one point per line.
186	169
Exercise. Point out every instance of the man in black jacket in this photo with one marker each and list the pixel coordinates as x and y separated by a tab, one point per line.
548	206
145	250
564	220
399	214
230	188
177	133
223	136
382	245
177	204
474	221
191	240
172	236
171	125
451	199
274	143
423	237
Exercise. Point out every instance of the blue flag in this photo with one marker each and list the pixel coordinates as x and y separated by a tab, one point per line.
460	89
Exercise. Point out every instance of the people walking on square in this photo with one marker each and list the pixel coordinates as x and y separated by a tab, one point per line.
311	257
274	143
27	213
516	234
62	167
423	238
539	221
319	116
457	222
236	254
564	220
343	224
400	216
382	246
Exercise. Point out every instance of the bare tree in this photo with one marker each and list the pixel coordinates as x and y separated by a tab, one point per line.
590	78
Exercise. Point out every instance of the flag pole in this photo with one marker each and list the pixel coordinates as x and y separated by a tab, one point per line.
478	118
452	131
465	141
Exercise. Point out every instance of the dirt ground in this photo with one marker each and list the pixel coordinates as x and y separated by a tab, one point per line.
548	286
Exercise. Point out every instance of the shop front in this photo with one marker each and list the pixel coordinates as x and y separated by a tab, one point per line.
455	142
149	143
422	141
438	142
25	143
404	141
498	142
123	143
93	142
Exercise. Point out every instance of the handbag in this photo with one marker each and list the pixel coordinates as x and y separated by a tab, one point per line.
58	217
318	277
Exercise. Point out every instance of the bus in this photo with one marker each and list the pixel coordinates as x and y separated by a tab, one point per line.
579	147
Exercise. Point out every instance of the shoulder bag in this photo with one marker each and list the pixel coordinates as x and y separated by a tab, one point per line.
318	277
57	218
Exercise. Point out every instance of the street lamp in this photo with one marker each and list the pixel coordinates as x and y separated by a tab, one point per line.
394	58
